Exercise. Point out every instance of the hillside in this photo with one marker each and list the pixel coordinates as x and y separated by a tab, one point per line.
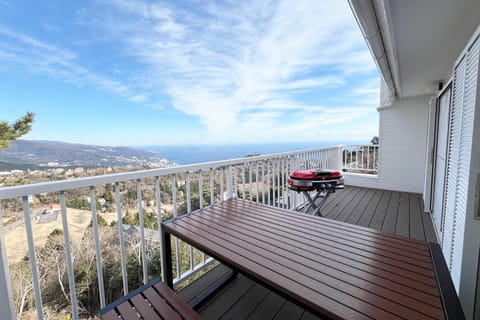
55	154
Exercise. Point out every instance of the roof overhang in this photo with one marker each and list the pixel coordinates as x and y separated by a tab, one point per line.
415	43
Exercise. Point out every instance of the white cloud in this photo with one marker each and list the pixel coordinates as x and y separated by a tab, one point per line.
225	63
46	59
240	67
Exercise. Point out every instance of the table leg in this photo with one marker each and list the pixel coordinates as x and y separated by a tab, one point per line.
167	257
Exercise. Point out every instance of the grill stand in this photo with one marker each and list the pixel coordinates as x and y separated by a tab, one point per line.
311	202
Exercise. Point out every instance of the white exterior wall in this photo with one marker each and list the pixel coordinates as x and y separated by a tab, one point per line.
403	134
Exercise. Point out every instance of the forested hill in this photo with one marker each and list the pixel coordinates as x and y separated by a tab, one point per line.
54	153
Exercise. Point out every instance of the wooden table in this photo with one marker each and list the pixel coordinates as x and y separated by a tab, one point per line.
334	269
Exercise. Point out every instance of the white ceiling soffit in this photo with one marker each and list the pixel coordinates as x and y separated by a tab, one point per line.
421	38
366	17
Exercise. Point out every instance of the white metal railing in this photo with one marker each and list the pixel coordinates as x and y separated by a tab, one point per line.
184	188
360	158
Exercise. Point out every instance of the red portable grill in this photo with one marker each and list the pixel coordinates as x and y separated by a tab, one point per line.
323	181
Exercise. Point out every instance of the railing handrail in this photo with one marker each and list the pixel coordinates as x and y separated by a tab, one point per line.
85	182
358	145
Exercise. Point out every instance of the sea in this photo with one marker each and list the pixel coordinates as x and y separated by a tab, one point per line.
189	154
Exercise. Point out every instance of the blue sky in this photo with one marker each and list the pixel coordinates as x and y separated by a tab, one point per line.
118	72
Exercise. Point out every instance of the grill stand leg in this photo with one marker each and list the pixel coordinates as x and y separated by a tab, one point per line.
311	202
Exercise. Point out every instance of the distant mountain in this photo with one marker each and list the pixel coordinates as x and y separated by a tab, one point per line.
57	154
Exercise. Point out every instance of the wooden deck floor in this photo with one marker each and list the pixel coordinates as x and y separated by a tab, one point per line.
389	211
394	212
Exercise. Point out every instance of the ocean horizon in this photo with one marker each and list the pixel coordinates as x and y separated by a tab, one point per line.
190	154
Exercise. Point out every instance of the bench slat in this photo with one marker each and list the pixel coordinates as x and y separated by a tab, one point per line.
153	301
180	306
126	311
160	305
111	315
144	308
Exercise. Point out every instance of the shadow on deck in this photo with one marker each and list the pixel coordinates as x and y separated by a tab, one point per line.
389	211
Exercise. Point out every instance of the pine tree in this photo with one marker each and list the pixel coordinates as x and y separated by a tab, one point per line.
10	132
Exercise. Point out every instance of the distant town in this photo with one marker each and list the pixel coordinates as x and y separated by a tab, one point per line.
53	173
29	161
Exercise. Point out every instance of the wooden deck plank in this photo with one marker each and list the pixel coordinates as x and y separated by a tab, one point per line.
417	229
197	287
370	210
308	316
359	210
268	308
390	221
340	207
226	299
352	205
379	216
289	311
335	200
402	225
247	304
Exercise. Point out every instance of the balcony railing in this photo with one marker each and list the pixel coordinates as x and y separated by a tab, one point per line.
140	201
360	159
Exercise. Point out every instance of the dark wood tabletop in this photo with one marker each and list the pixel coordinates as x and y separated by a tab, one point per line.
335	269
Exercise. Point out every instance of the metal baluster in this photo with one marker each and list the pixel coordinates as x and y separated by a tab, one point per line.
121	238
93	205
235	181
351	157
284	183
142	231
6	303
279	187
250	180
68	258
275	184
200	191
229	182
256	181
369	158
200	188
175	215
212	188
268	182
221	183
33	258
243	181
189	209
263	182
158	197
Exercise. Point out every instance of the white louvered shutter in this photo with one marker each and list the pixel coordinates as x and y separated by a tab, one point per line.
452	159
458	161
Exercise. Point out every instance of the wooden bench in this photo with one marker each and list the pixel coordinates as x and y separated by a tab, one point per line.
155	300
332	269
